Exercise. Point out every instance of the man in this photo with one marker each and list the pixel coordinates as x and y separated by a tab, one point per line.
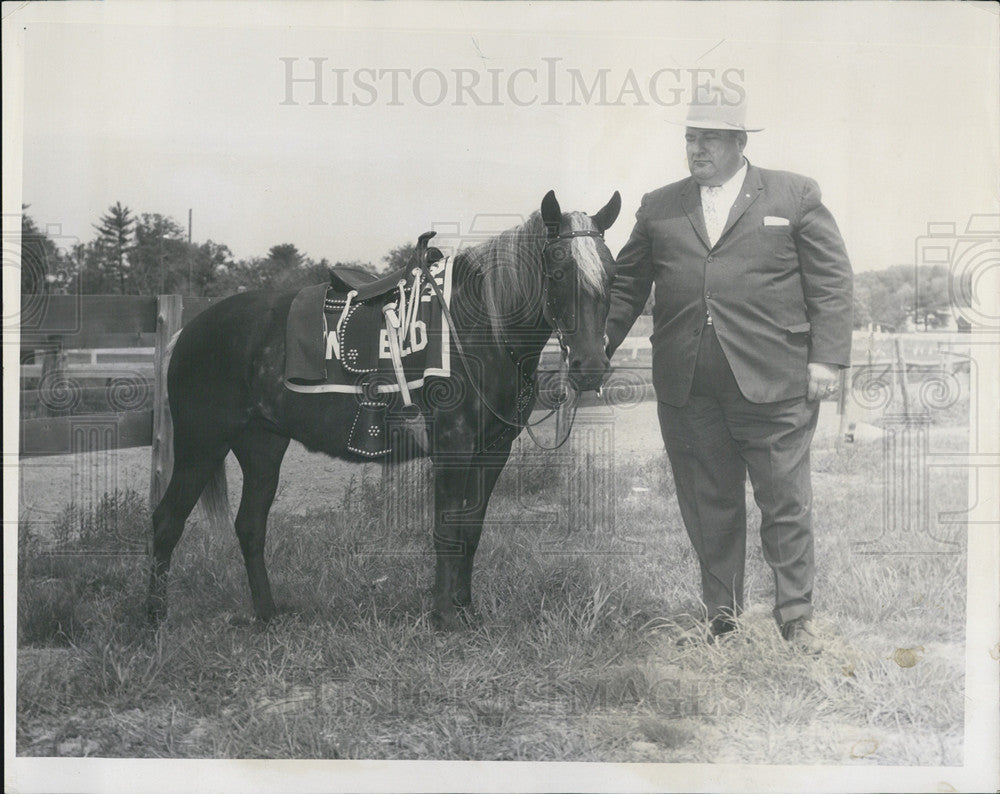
751	324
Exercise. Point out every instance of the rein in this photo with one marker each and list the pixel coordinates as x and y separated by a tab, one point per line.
553	237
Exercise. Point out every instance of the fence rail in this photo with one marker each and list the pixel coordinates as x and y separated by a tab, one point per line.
99	363
70	344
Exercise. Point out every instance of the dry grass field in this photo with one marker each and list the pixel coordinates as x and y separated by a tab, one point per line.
584	581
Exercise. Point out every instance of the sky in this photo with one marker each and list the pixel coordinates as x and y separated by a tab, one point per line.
461	116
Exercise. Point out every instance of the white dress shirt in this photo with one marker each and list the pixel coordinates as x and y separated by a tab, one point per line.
717	201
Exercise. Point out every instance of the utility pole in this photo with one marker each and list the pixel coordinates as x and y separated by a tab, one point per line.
190	274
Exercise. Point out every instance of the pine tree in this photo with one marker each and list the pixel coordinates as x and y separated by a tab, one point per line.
115	238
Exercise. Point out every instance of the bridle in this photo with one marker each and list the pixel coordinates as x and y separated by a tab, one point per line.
548	277
548	315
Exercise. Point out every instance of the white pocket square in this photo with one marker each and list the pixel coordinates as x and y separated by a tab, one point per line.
773	220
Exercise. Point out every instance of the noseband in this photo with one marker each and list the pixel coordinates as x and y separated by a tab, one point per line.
547	309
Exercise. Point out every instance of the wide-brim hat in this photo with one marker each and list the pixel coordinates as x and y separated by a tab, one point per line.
714	108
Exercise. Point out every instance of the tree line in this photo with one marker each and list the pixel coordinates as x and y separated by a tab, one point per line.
149	254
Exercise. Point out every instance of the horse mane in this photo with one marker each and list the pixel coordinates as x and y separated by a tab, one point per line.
507	270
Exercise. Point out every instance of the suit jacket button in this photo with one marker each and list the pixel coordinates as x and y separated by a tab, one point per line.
697	330
710	259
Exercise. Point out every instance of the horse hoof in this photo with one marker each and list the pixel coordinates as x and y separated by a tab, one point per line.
450	621
260	620
256	622
156	613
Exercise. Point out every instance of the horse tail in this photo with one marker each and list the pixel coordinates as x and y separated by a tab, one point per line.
214	499
170	348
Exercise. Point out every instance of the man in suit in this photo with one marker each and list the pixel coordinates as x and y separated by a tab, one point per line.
751	324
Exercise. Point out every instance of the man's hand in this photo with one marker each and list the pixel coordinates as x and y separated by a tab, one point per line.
822	380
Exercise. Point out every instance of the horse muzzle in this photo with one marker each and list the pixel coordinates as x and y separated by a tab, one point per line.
588	375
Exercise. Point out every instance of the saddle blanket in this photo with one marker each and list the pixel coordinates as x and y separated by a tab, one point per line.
334	344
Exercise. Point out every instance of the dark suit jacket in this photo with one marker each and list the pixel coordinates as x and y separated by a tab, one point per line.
780	294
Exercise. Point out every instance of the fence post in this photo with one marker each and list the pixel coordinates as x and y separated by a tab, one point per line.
845	384
169	317
902	374
53	380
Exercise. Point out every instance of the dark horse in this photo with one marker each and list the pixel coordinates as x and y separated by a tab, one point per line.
226	392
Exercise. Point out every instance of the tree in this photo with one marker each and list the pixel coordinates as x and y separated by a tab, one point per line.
115	232
400	256
281	268
160	257
931	301
43	266
92	275
284	267
890	297
211	262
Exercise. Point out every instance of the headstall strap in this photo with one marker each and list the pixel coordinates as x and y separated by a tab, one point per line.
553	238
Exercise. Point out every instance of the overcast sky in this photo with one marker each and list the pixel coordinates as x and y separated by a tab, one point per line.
432	114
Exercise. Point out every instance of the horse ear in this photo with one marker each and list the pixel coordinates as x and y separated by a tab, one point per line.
609	213
551	214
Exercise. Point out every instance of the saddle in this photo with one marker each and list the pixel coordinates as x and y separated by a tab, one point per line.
348	278
363	312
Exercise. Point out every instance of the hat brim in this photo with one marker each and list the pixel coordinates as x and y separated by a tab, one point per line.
713	125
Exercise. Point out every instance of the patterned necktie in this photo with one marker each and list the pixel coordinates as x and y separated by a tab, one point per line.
715	221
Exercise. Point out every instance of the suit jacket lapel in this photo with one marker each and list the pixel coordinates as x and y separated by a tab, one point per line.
752	188
691	202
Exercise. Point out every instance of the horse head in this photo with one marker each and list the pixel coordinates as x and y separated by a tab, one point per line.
579	269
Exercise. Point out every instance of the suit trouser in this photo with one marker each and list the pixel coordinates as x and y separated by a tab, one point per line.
713	442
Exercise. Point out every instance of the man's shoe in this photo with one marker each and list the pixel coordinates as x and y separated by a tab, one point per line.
718	628
799	632
721	626
694	637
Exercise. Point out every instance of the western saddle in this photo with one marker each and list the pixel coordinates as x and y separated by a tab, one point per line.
348	278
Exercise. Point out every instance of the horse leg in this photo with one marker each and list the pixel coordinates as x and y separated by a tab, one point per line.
259	453
462	495
484	471
187	482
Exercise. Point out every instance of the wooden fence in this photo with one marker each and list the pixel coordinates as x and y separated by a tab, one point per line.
76	349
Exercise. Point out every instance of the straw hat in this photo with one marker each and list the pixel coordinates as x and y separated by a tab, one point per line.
713	109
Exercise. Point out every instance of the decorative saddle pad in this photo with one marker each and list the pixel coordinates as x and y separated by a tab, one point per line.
336	344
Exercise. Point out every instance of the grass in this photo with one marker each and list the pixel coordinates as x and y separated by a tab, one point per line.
574	656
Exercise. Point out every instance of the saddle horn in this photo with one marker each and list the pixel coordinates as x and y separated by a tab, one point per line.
426	255
422	241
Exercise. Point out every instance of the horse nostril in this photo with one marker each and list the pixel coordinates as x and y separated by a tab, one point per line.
588	375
